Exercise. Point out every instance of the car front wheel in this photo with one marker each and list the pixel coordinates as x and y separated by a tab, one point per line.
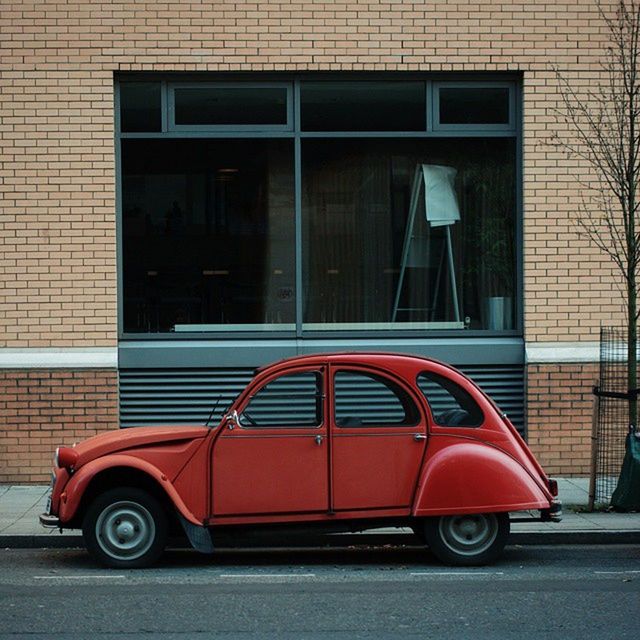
125	528
467	540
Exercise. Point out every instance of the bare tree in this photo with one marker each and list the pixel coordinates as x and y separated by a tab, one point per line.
604	131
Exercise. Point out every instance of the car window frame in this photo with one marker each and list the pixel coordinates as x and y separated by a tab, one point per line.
434	422
322	397
381	373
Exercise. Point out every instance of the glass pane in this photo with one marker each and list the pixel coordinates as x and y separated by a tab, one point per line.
357	198
208	235
474	105
450	404
293	400
363	400
230	106
140	106
363	106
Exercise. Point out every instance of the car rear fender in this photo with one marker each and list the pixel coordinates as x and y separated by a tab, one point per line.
80	481
469	476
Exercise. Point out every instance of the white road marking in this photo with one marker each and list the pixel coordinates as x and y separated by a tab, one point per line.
109	577
615	573
458	573
267	575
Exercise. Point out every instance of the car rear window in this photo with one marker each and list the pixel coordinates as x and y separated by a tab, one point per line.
450	404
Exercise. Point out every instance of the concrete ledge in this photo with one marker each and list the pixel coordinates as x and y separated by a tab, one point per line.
561	352
59	358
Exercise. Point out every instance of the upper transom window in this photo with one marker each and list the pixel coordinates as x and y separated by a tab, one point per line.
232	106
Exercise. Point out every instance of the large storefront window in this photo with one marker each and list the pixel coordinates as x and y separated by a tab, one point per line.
368	264
302	206
208	235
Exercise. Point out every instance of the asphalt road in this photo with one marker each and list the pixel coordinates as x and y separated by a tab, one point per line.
533	592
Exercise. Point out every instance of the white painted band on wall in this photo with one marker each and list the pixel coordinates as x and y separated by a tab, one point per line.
107	357
558	352
59	358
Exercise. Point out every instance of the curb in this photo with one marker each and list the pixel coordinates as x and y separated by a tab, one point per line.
624	536
249	543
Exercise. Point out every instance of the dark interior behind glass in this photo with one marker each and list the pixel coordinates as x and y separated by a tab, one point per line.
208	233
474	105
356	196
227	106
363	106
140	106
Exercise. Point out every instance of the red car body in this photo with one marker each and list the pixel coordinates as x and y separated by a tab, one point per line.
239	473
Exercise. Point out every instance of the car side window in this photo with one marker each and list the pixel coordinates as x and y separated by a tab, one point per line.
368	400
292	400
450	404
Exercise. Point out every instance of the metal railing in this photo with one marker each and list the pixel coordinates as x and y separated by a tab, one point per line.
610	415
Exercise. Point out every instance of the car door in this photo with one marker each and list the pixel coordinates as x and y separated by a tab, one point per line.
275	459
378	439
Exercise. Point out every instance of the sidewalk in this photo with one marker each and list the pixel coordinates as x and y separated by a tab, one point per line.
20	507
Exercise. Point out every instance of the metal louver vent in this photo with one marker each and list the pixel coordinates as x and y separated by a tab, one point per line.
187	396
177	396
504	384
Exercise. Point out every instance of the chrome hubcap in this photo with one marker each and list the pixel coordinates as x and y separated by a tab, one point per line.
125	530
469	535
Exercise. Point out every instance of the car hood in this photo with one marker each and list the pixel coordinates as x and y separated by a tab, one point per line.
134	437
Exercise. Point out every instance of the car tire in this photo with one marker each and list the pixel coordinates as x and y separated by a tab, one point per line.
467	540
125	528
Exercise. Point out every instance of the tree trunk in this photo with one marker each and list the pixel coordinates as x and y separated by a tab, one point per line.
632	352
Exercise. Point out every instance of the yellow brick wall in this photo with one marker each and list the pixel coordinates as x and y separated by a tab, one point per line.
57	175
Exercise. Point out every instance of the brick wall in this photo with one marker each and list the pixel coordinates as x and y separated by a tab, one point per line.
40	410
559	410
57	167
57	174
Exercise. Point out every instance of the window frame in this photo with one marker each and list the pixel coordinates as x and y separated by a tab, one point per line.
293	82
171	107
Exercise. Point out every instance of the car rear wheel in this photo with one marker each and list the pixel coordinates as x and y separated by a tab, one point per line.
125	528
467	540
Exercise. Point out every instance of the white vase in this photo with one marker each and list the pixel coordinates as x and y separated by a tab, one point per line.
498	313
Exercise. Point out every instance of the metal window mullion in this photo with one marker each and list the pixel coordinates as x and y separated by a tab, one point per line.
429	102
118	213
164	106
297	170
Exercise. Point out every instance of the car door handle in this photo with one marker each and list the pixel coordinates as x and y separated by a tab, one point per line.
419	436
318	439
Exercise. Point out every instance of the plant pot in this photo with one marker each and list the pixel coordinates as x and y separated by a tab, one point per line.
498	313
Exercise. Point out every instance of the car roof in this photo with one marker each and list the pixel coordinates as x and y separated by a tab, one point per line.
355	357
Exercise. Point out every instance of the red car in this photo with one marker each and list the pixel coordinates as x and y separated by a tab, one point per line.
346	441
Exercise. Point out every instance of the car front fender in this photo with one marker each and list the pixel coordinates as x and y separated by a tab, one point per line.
81	480
469	476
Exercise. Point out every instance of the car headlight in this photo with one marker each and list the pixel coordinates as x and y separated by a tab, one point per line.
66	457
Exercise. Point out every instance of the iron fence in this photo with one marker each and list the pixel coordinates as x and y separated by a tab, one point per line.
611	415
